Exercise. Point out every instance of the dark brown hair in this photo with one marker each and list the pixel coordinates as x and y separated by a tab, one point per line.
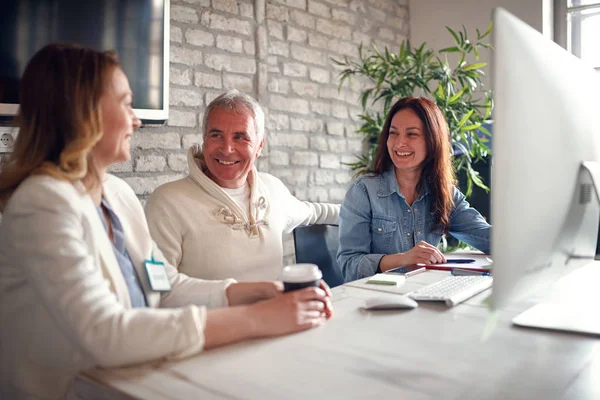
437	169
59	116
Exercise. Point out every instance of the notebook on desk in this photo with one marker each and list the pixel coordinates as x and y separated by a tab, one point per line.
482	262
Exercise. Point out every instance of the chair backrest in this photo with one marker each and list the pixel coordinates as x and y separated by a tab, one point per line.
318	244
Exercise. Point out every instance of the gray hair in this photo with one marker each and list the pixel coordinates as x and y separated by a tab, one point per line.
238	102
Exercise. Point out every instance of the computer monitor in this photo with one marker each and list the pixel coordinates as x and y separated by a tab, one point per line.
546	163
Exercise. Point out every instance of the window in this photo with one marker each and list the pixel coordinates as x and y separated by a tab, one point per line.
578	28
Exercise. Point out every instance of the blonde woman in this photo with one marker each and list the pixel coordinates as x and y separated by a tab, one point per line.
81	281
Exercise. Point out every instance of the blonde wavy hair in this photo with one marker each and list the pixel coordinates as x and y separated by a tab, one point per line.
59	116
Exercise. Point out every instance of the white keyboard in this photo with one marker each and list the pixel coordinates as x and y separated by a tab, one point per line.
454	289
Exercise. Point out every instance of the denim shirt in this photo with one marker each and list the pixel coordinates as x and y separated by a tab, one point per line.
375	220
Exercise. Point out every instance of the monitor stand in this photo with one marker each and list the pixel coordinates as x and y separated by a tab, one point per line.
573	305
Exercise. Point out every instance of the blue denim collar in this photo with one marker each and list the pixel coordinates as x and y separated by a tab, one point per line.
389	185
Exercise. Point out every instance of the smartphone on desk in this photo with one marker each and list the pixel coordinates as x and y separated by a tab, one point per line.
407	270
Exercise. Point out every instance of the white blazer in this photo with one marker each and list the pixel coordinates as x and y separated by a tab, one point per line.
64	305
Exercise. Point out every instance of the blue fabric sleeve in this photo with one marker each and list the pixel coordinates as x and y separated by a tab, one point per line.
467	225
353	257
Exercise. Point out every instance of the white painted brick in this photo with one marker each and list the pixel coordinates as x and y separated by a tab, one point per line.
179	76
201	3
305	89
157	140
184	14
355	146
229	43
183	97
126	166
293	177
343	178
308	55
247	10
337	195
262	163
329	92
330	161
278	121
322	177
351	130
320	9
210	96
306	124
320	107
301	4
319	143
181	118
384	5
230	6
294	69
180	55
299	106
336	145
191	139
296	35
318	75
275	29
348	159
279	48
278	13
305	158
343	3
365	25
343	16
277	157
150	163
278	85
143	186
208	80
402	12
339	111
296	141
249	47
359	37
334	29
377	15
199	38
242	83
317	40
177	162
176	36
318	194
386	33
230	63
302	19
335	128
344	48
221	22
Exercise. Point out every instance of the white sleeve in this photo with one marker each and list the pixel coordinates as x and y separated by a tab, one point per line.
47	241
305	212
163	231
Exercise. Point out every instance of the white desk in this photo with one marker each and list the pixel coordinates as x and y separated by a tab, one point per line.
431	352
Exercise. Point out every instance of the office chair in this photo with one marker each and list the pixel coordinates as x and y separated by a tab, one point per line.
318	244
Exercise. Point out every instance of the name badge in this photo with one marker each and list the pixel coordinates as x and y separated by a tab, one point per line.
157	275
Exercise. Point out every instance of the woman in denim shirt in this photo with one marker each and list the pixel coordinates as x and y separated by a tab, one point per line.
396	214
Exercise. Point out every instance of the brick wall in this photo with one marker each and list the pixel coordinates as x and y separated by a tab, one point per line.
278	51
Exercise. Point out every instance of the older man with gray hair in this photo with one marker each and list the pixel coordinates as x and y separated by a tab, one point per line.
225	219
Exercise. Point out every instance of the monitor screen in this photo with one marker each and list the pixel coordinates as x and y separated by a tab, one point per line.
134	28
545	173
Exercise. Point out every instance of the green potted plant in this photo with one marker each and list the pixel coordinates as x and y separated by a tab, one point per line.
456	87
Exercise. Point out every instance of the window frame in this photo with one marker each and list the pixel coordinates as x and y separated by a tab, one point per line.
562	31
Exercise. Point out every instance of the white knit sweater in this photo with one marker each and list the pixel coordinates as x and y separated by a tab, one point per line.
204	232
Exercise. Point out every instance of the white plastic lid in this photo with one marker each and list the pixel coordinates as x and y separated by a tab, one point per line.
298	273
